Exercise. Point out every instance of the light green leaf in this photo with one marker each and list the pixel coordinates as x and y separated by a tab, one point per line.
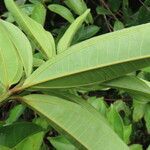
8	57
136	147
76	123
32	142
37	62
131	84
118	25
39	13
15	113
127	133
138	110
79	7
99	104
22	45
67	38
4	148
11	135
61	143
41	39
147	117
116	121
107	57
62	11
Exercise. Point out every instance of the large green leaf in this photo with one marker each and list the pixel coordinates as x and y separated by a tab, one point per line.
9	61
22	46
75	122
96	60
62	11
11	135
67	38
34	30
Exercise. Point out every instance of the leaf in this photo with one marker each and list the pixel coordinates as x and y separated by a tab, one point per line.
4	148
118	25
43	41
10	138
37	62
39	13
147	117
32	142
62	11
116	121
66	116
22	46
102	11
15	113
136	147
99	104
79	7
139	110
131	84
107	57
67	38
61	143
127	133
8	57
85	33
115	4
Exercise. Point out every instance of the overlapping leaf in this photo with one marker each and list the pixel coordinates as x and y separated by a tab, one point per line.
96	60
8	68
34	30
76	123
22	46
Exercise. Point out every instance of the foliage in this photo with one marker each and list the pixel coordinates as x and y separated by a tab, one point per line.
65	84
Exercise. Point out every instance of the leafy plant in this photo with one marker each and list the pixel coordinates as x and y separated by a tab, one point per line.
47	77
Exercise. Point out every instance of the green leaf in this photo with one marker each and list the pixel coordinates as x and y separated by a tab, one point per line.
99	104
61	143
8	57
62	11
4	148
102	11
127	133
116	121
115	4
79	7
44	41
24	50
138	110
66	116
37	62
67	38
39	13
107	57
131	84
11	135
85	33
136	147
15	113
32	142
147	117
118	25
